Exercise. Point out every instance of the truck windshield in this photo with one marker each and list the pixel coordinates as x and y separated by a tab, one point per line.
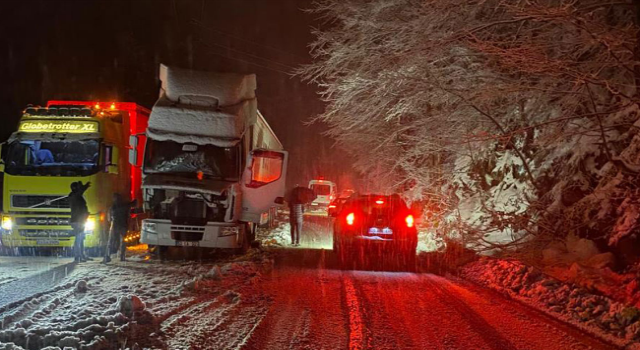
177	158
59	158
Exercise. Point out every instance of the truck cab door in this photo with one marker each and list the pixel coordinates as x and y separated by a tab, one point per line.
263	184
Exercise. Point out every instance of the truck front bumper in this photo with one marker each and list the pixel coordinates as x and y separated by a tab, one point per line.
162	232
46	230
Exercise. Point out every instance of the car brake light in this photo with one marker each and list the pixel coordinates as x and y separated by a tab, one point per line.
331	206
409	220
351	218
379	201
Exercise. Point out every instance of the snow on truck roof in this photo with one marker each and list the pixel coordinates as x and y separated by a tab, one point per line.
203	107
206	88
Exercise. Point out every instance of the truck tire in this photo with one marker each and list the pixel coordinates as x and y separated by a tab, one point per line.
158	251
26	251
248	237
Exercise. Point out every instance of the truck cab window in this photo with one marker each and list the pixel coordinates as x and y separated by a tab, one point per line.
265	168
168	157
52	157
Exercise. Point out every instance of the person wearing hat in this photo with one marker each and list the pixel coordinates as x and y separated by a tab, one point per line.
79	215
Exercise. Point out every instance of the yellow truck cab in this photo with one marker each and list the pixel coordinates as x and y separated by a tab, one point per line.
54	146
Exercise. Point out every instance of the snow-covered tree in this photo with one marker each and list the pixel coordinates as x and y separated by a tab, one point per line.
520	115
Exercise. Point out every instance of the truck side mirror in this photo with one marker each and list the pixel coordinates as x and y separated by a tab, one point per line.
133	150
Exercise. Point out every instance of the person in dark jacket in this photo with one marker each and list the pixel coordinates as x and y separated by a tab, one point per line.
119	216
296	212
79	215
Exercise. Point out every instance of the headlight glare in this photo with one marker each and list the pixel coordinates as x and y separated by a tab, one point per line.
7	223
90	225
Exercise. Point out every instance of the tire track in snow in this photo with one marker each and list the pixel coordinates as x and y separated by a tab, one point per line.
356	325
223	323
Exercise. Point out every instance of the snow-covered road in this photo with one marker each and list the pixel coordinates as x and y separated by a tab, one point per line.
283	299
333	309
13	268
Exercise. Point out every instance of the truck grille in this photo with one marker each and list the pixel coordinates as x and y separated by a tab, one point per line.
189	212
186	233
46	233
187	236
42	221
39	201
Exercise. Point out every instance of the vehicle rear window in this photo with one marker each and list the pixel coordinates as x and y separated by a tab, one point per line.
321	190
369	206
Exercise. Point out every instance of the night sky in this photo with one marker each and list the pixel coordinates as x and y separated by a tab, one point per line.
110	50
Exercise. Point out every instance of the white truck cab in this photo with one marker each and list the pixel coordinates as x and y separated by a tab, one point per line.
212	167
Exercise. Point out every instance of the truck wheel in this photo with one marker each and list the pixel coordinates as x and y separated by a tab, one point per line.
158	251
247	237
26	251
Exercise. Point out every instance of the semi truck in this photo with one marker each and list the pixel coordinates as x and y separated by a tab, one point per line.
212	167
54	146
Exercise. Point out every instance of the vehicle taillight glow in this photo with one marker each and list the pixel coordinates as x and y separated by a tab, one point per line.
351	218
379	201
409	220
332	206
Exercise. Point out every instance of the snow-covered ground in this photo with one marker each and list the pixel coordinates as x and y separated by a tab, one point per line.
16	267
574	304
142	302
316	234
277	237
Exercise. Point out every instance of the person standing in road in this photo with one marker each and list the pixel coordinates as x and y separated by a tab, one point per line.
119	216
296	212
79	215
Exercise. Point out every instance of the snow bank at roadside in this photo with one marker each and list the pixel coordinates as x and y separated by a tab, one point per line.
429	241
277	237
122	305
596	314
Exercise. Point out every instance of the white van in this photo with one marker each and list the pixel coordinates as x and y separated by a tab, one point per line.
326	192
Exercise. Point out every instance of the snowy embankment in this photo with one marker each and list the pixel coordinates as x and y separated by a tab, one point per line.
137	304
280	236
574	304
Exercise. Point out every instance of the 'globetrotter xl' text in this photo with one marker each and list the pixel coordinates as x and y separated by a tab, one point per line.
59	126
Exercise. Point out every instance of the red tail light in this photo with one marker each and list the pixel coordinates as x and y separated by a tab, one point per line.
379	201
351	218
331	206
409	220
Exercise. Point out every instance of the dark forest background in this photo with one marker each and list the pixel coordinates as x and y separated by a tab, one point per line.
111	50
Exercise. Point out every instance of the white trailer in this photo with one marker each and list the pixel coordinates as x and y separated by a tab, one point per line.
213	169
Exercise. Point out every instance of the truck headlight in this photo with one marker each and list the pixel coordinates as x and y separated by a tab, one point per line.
7	223
90	225
149	226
